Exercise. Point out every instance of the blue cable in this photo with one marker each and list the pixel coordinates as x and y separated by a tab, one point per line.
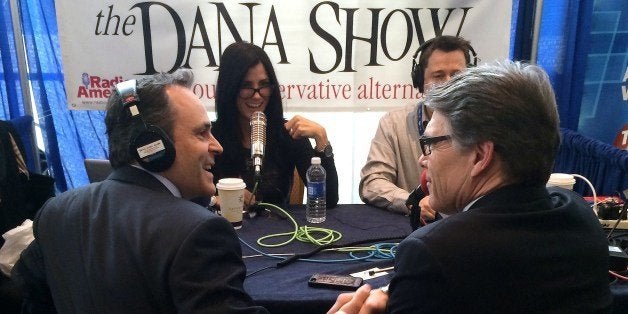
378	251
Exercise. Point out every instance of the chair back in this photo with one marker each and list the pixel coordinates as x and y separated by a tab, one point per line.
24	127
297	190
97	169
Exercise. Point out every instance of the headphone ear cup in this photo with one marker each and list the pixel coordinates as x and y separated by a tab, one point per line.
153	149
413	73
473	57
417	76
417	69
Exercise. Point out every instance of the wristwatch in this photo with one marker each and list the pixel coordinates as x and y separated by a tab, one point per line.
327	151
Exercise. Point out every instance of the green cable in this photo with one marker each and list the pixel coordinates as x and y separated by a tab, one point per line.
294	233
303	233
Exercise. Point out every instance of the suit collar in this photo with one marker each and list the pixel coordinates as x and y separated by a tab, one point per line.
516	194
137	176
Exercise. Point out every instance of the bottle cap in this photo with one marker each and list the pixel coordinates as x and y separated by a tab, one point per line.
316	160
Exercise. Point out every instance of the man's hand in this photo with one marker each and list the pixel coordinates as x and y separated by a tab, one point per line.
249	198
427	212
364	300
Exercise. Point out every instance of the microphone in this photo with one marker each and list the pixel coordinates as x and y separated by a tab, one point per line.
258	140
424	183
413	203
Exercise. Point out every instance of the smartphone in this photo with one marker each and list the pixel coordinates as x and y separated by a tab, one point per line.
330	281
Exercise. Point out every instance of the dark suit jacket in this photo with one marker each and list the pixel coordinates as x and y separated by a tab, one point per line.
127	245
516	250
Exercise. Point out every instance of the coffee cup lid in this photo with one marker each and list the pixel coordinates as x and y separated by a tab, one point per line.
231	184
561	178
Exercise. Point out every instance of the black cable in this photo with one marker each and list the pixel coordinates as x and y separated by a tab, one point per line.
621	214
614	281
297	256
260	270
252	209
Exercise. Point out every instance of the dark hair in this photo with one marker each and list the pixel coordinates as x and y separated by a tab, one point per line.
444	43
154	108
510	104
235	62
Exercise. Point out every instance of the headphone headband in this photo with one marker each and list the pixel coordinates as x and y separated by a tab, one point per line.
128	93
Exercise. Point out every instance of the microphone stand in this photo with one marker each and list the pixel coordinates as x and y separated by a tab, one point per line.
254	209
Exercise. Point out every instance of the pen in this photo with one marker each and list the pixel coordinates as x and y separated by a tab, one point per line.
373	272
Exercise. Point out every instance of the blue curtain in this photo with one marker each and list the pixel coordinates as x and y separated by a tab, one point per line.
521	29
69	135
563	43
10	89
604	165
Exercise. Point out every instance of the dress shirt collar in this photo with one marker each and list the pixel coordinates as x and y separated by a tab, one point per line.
471	203
167	183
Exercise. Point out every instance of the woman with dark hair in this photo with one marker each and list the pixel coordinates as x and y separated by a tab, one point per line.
247	83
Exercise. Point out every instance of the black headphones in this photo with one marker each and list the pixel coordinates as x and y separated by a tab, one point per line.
418	70
150	145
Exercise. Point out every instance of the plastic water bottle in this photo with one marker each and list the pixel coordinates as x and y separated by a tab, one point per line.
316	207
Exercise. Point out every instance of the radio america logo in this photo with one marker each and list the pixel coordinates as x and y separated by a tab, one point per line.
621	140
95	86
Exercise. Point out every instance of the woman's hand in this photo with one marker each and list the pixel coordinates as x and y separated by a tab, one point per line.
299	127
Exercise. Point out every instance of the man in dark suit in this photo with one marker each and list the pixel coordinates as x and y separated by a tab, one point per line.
510	245
134	243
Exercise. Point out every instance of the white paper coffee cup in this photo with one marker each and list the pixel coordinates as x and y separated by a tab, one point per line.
562	180
231	192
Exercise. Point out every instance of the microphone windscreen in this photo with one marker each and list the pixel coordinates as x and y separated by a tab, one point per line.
258	133
424	182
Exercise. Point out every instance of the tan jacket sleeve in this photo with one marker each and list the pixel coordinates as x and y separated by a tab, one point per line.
392	168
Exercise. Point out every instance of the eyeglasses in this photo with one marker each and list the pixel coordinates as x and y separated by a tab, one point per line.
248	92
426	142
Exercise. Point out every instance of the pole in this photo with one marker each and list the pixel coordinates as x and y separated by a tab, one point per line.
538	12
24	82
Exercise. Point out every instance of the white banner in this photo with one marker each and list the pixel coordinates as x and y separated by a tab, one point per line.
329	56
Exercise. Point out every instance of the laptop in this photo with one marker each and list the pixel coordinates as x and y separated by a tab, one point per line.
97	169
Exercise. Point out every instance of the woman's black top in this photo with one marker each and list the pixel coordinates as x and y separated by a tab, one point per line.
282	155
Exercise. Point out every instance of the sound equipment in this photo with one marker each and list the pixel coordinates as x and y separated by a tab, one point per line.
413	202
150	145
258	140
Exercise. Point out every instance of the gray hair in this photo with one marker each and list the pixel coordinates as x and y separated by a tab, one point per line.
511	104
155	110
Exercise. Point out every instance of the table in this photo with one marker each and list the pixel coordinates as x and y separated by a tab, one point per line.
285	290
